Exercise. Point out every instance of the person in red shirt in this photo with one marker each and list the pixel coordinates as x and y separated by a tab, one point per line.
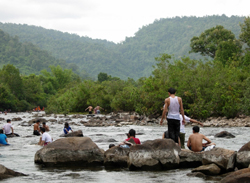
132	135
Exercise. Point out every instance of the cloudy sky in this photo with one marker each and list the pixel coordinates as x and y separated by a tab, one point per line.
110	19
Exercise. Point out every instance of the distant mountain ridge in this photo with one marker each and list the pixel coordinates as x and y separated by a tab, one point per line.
133	57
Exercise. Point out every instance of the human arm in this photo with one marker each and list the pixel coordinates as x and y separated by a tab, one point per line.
189	142
182	110
86	109
194	121
165	110
12	130
207	139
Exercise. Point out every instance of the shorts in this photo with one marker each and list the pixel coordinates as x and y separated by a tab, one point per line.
90	112
125	146
98	112
203	148
36	133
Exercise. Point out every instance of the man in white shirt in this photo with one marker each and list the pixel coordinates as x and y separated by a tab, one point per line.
8	128
182	128
45	138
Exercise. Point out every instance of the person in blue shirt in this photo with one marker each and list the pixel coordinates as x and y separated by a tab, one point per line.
3	138
67	128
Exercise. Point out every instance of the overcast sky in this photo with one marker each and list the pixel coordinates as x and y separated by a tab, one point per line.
110	19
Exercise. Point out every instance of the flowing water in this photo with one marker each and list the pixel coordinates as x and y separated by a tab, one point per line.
19	156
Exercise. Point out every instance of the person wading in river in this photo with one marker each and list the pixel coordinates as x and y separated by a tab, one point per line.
173	106
90	108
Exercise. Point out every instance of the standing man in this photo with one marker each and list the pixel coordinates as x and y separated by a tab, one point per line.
97	108
8	128
37	128
90	108
45	126
45	138
173	106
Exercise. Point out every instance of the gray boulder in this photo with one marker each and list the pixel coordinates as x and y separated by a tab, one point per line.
211	169
8	173
225	134
73	134
116	157
154	155
71	151
223	158
243	156
241	176
190	159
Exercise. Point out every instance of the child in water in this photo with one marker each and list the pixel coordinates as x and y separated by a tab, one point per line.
67	128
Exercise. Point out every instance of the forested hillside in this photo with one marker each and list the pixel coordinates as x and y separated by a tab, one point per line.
29	58
132	58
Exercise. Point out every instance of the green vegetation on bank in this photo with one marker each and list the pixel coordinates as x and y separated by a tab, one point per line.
219	86
133	57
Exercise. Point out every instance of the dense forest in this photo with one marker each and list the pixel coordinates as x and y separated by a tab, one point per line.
218	86
134	56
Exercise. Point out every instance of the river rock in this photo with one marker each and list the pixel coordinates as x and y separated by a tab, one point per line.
71	151
16	119
73	134
196	174
116	157
243	156
225	134
211	169
190	159
241	176
8	173
154	154
223	158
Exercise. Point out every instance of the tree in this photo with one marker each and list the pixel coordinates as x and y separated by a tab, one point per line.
208	42
245	31
102	77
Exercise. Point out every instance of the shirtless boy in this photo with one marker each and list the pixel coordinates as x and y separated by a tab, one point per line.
37	128
45	126
97	108
195	141
90	108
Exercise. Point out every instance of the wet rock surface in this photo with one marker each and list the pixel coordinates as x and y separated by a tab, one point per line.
8	173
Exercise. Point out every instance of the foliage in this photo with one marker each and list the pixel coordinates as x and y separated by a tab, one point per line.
245	31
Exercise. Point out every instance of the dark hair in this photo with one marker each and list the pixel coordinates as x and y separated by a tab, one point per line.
38	121
196	129
172	90
66	125
132	132
1	130
111	145
42	129
128	135
44	123
8	120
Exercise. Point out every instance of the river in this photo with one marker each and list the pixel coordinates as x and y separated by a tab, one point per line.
19	156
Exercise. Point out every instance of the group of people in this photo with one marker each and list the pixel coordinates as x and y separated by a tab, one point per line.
97	109
176	124
7	131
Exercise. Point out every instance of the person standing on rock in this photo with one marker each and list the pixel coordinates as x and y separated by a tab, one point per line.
45	139
37	128
97	109
3	138
182	128
8	128
173	106
90	108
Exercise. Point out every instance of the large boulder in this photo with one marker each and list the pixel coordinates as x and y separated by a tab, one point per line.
225	134
154	155
71	151
8	173
223	158
73	134
116	157
190	159
243	156
211	169
241	176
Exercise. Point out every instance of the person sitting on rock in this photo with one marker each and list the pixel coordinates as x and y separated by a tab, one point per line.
166	136
45	139
37	128
195	141
67	128
131	140
8	128
45	126
3	138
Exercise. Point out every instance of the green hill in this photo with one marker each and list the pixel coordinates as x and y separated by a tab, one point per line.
27	57
133	57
